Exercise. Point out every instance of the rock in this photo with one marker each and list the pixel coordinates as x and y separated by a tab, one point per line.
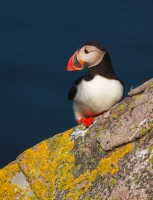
112	159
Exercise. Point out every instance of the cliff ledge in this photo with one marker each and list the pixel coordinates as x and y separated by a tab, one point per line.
112	159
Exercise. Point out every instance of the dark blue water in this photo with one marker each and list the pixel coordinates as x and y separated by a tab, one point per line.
36	40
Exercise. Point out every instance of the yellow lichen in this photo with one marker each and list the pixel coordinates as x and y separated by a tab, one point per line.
11	190
50	167
106	165
121	107
112	181
150	149
114	116
138	97
105	180
56	169
150	161
109	164
8	190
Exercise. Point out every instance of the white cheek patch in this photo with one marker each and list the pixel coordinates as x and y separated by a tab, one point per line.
94	56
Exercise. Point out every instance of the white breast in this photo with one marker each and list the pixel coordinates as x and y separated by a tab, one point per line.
98	95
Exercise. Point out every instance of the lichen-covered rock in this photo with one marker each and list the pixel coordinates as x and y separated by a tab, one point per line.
112	159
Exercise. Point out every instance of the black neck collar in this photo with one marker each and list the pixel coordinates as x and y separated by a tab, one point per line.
104	68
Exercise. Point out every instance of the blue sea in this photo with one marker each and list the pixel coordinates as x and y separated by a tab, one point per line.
36	40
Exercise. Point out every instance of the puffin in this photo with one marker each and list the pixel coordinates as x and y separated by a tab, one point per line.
99	89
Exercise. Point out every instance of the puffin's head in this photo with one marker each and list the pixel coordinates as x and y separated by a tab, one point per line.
88	55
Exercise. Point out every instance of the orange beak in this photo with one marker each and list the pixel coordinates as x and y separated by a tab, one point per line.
74	64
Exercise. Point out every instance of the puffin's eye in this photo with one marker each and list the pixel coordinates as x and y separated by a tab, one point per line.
86	51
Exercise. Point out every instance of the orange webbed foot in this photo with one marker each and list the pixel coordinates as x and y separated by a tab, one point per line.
86	121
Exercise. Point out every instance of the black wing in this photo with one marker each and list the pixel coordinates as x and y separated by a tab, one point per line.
73	89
